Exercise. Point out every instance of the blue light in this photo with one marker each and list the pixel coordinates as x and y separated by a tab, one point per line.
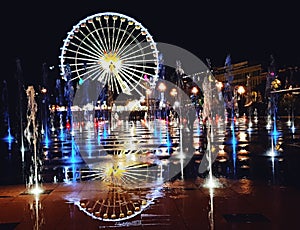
62	134
198	130
46	141
293	128
99	138
81	81
9	139
74	152
104	134
74	172
234	144
275	133
168	142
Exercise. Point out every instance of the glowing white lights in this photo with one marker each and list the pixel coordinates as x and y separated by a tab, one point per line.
111	48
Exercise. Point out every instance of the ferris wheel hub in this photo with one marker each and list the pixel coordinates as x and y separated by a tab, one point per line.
110	62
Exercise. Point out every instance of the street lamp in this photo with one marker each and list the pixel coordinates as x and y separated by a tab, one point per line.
241	90
162	87
195	90
173	92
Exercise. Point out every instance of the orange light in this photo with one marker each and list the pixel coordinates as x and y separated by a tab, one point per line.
173	92
241	90
162	87
194	90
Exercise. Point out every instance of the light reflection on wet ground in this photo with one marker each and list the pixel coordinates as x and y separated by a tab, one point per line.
180	204
246	152
248	157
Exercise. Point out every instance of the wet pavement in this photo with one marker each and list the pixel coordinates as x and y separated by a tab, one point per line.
131	175
238	204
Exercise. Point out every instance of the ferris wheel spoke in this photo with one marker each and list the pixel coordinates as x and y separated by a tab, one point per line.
133	39
125	42
108	34
125	77
121	39
91	55
103	33
98	74
86	46
129	179
78	66
136	70
117	88
83	70
79	58
93	73
135	56
122	82
95	39
125	180
100	77
118	34
132	176
111	81
106	77
141	61
126	54
128	77
113	33
139	66
100	38
94	48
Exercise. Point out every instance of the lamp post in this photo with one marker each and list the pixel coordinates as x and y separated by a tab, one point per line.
195	91
240	90
161	87
173	93
148	92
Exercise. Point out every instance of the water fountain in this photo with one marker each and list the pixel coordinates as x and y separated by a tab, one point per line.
19	77
208	115
31	134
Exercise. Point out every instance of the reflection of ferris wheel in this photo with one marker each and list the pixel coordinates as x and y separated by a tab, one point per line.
117	204
113	49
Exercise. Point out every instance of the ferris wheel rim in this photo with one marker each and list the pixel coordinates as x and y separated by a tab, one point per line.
108	13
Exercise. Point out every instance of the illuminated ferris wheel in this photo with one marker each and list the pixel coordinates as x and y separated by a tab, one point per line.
113	49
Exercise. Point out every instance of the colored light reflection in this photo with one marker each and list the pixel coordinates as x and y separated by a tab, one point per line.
46	141
234	145
9	139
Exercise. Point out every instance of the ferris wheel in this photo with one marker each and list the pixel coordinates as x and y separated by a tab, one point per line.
111	48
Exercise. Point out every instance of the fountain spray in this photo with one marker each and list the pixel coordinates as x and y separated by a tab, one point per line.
31	133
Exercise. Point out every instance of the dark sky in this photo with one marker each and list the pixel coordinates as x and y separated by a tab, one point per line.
248	30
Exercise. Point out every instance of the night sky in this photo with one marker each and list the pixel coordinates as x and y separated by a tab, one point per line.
248	30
